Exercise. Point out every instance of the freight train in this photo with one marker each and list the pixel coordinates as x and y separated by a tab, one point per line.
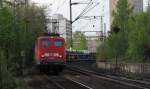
80	56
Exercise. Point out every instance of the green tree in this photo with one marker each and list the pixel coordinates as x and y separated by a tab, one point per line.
18	33
139	40
118	41
35	26
7	43
116	45
121	15
79	41
102	52
68	43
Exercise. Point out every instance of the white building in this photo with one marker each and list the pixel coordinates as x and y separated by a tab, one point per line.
146	3
58	24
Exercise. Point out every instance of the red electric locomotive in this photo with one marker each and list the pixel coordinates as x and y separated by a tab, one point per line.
50	52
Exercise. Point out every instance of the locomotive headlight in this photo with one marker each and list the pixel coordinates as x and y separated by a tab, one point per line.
42	55
60	55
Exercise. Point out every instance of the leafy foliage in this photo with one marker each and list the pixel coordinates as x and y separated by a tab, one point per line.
18	32
139	40
79	41
118	41
102	52
129	40
122	14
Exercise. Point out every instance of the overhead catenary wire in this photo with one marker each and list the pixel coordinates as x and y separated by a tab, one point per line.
81	14
88	24
91	5
86	10
90	17
91	8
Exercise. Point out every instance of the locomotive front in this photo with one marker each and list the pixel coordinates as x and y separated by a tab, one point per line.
50	52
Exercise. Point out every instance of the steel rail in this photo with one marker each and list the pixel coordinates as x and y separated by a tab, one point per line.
81	84
59	85
126	82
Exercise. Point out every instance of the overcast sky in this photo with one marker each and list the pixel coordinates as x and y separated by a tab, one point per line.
62	7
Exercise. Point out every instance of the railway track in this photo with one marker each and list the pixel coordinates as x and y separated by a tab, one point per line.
44	81
37	81
64	83
133	84
75	78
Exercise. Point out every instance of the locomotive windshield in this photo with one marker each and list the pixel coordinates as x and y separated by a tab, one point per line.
58	43
45	42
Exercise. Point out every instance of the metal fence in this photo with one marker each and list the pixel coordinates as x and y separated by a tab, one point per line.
125	67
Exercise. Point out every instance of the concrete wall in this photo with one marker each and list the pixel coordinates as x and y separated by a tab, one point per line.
125	67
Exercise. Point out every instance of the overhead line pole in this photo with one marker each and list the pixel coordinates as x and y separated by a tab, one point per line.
71	45
70	4
71	22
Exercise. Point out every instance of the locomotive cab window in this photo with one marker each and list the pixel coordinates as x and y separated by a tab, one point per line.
58	43
46	42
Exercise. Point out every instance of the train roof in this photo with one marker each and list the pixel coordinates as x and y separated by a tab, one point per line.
52	34
80	51
50	37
